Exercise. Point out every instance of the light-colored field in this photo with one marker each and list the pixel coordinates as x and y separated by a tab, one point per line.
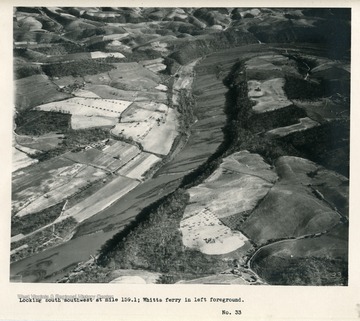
155	132
21	160
82	122
154	65
205	232
32	183
126	276
160	46
217	279
100	54
17	237
228	196
116	155
69	57
151	61
247	163
85	94
136	167
88	107
22	247
305	123
185	79
268	94
115	36
101	199
73	178
236	187
161	87
26	150
138	114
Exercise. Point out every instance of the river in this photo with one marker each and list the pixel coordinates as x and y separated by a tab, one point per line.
205	137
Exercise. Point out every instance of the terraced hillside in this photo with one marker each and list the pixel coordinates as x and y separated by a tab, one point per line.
175	145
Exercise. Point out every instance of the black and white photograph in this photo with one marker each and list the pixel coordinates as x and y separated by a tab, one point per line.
177	146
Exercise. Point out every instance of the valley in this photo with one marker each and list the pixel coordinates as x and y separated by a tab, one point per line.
219	158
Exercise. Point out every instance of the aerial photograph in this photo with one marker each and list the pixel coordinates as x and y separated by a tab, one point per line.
170	145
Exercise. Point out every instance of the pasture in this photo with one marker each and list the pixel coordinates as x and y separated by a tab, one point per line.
85	94
320	260
271	65
44	142
108	92
305	212
67	81
36	90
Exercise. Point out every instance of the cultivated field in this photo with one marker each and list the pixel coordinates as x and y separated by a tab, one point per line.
69	180
268	95
234	189
155	127
205	232
154	65
103	198
137	166
83	122
31	183
116	156
21	159
305	123
127	276
88	107
100	54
